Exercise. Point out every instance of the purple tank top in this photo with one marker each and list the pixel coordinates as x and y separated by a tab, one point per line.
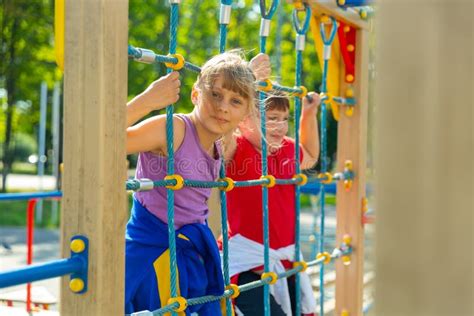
191	162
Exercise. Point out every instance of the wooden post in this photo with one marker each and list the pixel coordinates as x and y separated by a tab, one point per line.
94	202
352	145
424	158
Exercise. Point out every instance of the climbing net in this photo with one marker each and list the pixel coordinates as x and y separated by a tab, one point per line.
173	182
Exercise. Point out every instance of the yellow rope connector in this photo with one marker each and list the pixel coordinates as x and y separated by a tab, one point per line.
325	97
179	65
347	29
302	178
350	78
348	184
326	256
344	312
363	14
266	88
326	177
179	182
77	245
235	289
349	93
335	110
272	275
303	264
349	111
365	205
299	5
229	186
76	285
303	92
325	19
182	303
271	181
347	239
348	164
346	260
350	48
341	2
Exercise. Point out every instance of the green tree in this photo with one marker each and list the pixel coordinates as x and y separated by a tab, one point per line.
26	59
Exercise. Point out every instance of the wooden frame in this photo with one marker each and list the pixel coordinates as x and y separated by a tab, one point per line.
94	201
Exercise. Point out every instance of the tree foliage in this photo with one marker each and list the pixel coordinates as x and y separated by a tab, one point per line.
27	52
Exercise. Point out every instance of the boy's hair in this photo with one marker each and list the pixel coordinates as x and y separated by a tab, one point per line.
277	101
236	75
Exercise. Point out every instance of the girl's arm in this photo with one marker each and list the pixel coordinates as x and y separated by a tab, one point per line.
158	95
309	133
150	135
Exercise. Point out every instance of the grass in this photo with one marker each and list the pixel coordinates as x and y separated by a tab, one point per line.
13	213
24	168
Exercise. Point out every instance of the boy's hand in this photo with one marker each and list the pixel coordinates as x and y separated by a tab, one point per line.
261	66
311	103
162	92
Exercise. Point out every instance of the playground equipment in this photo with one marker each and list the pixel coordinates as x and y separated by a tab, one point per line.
94	203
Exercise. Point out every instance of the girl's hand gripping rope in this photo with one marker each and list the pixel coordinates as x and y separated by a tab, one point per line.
162	92
261	66
311	103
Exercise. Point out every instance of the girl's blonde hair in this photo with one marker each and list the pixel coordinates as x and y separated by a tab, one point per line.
235	72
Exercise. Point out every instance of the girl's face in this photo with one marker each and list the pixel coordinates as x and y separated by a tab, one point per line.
276	129
220	110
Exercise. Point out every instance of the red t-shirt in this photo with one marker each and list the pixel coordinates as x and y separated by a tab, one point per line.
244	204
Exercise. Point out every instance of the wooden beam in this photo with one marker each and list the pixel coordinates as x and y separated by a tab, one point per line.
424	158
352	145
330	8
94	202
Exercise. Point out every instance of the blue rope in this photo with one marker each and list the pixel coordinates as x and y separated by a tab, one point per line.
223	196
170	163
300	30
324	159
266	238
137	53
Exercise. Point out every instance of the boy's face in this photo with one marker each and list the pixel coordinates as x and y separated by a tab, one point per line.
276	126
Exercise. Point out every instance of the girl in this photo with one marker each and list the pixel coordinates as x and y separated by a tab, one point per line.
244	205
223	96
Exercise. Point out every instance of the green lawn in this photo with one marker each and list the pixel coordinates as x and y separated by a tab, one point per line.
13	213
